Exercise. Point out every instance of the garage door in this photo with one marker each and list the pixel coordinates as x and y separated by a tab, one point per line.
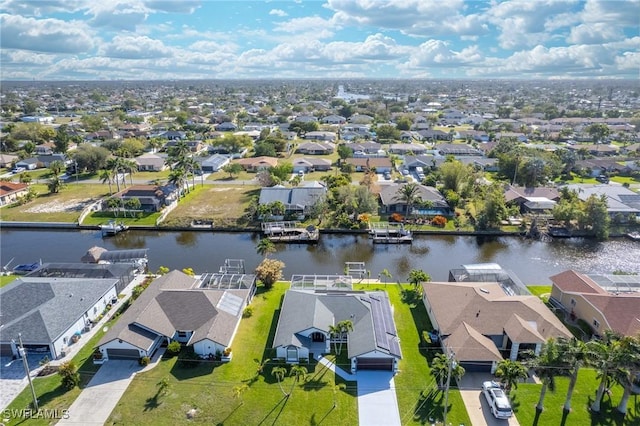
123	354
375	364
476	367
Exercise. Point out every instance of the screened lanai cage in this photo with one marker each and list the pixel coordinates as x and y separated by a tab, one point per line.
321	282
490	272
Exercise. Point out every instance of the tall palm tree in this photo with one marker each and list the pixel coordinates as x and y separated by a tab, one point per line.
386	274
629	368
344	327
510	372
299	373
334	333
279	373
105	177
177	178
605	357
547	365
265	247
408	193
131	167
575	353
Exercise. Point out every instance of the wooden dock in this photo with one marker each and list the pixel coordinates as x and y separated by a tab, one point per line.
290	232
389	233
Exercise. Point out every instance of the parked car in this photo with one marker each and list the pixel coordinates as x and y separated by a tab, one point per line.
497	400
17	170
387	176
602	179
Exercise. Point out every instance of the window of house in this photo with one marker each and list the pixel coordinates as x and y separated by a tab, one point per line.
596	323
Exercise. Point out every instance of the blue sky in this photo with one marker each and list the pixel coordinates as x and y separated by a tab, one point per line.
184	39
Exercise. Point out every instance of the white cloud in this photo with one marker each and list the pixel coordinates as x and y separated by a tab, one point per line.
278	12
173	6
620	13
596	33
135	47
438	53
310	26
44	35
118	14
27	58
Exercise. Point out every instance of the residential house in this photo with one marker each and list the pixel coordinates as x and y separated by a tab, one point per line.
213	163
297	199
194	146
256	164
366	149
392	202
121	265
151	162
380	164
360	119
307	165
45	160
6	160
28	163
305	319
333	119
483	324
622	203
305	119
434	135
152	197
316	148
51	313
10	192
410	136
173	135
535	199
407	149
605	302
411	162
458	149
321	136
200	312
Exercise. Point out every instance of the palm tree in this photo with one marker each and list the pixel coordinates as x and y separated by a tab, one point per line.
440	369
574	352
56	167
54	184
299	373
510	372
265	247
115	166
131	167
416	276
334	333
345	326
629	369
605	357
547	365
408	193
177	178
279	373
105	177
386	274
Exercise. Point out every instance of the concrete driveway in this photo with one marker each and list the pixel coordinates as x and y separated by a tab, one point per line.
95	403
377	402
479	412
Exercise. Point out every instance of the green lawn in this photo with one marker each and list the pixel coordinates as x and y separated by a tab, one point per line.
6	279
209	387
100	218
524	400
51	395
540	291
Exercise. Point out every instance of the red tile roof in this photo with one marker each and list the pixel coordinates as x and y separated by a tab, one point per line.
573	281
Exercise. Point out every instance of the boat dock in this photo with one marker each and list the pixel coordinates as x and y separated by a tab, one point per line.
389	233
290	232
112	228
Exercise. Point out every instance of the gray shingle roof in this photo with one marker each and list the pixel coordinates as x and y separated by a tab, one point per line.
304	310
43	308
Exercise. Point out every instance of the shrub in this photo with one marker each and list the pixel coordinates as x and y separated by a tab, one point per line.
247	312
396	217
173	348
70	376
440	221
227	352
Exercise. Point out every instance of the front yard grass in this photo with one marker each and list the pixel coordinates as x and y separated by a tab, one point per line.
524	400
65	206
6	279
210	388
51	395
542	291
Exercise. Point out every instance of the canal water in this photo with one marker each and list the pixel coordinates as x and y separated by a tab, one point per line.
532	261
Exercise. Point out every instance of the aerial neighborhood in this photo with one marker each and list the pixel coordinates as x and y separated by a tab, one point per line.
288	164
